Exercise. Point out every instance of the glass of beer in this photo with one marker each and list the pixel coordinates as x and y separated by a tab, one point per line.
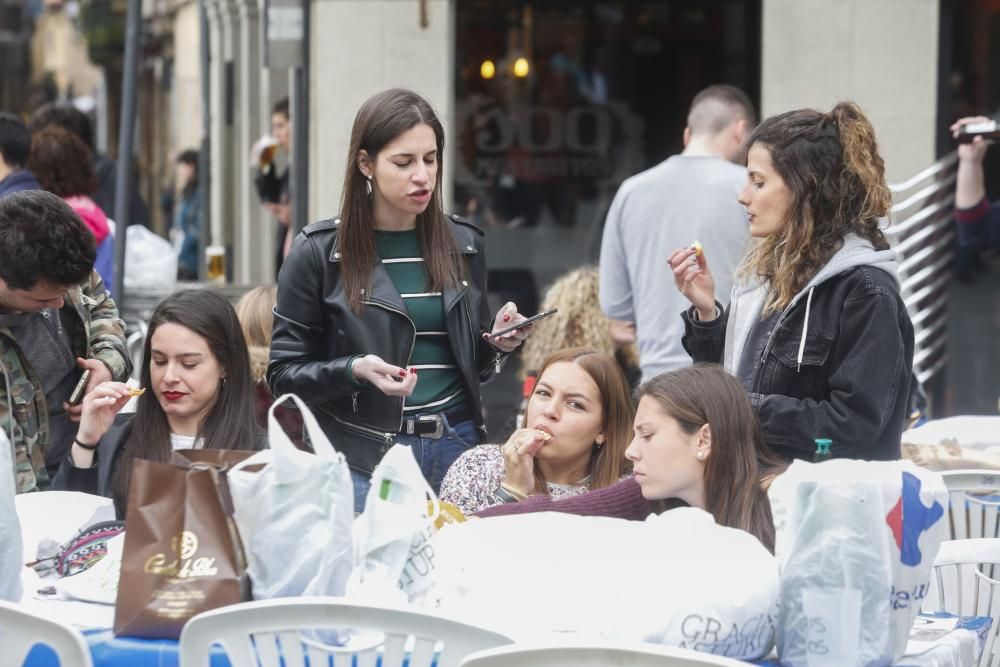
216	272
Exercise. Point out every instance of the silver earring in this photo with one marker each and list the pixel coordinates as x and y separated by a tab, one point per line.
368	185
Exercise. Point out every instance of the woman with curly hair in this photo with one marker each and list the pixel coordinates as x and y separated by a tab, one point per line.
62	163
815	328
580	323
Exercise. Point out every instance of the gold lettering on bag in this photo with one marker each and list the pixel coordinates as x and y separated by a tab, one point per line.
185	565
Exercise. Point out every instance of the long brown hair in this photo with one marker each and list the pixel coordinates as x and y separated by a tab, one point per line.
381	119
231	423
831	164
739	458
607	461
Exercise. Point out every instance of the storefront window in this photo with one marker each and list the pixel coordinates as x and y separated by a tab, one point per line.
559	102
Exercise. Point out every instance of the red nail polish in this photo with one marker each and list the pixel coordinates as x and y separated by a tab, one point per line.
402	372
506	318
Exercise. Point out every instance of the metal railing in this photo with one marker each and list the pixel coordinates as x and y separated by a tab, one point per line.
922	231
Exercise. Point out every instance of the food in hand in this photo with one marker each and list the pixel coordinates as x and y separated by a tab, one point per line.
545	435
448	514
697	248
135	392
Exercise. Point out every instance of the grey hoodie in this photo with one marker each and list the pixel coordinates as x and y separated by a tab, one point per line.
747	300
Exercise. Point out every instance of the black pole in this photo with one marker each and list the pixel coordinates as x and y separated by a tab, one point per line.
126	132
300	150
204	161
299	79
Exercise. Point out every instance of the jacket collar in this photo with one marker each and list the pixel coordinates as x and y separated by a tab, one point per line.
464	239
383	290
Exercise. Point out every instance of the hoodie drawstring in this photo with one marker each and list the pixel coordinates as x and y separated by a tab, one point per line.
805	329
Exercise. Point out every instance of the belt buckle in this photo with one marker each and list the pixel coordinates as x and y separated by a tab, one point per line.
431	419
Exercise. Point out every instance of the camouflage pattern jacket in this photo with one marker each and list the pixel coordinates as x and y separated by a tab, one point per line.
95	330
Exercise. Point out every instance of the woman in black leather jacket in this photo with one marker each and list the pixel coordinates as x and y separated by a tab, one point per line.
382	324
815	329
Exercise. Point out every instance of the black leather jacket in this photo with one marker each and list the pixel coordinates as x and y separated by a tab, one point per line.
316	333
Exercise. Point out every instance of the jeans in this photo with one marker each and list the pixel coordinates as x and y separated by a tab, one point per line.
433	456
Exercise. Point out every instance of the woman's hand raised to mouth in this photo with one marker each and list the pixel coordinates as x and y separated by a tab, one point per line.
519	458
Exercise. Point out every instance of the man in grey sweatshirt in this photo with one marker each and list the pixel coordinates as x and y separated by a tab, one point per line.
689	197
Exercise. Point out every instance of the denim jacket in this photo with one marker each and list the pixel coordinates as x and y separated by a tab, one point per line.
837	364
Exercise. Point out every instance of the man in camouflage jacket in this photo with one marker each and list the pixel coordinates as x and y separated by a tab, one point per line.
46	260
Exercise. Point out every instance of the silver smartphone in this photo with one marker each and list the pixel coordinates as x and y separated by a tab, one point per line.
77	395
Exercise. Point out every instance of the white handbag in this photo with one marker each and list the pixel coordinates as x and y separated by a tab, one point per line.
294	515
394	560
855	541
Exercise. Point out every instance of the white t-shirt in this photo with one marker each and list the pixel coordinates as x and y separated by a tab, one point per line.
186	442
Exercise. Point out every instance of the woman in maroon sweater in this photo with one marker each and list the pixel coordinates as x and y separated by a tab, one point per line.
696	442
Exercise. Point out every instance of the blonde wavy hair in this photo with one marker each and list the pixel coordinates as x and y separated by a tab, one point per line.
579	322
831	165
254	311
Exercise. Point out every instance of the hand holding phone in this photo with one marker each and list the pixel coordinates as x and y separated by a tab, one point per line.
524	323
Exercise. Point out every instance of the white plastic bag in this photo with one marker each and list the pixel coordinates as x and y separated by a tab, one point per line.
295	514
150	260
676	579
394	560
10	527
855	541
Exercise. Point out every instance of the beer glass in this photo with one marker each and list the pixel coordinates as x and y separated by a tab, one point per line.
216	272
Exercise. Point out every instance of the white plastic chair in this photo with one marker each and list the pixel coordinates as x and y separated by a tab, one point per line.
268	633
964	583
972	516
21	630
596	655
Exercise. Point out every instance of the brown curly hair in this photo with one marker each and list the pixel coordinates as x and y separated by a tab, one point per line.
62	163
579	322
831	165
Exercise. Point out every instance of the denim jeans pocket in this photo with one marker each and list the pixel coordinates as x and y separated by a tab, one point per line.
464	432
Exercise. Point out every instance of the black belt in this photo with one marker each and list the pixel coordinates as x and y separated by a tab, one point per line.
432	425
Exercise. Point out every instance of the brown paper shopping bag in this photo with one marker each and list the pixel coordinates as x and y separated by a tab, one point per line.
182	552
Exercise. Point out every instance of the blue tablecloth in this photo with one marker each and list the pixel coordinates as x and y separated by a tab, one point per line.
110	651
977	624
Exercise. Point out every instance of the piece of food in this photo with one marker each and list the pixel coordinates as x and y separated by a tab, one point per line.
136	391
697	248
545	435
